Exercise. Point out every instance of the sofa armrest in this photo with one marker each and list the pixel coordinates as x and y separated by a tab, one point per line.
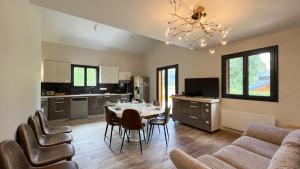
184	161
270	134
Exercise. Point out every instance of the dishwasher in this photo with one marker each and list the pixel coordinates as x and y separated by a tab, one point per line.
79	107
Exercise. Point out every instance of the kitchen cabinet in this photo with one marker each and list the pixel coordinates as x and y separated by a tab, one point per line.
202	115
63	72
126	76
96	104
176	109
50	71
109	75
59	108
57	72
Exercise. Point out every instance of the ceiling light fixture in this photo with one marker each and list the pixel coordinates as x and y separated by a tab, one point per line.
195	31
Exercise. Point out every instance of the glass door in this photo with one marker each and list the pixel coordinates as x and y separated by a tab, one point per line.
167	84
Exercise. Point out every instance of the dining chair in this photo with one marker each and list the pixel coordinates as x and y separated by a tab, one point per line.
111	119
49	130
48	140
12	157
160	122
131	120
41	156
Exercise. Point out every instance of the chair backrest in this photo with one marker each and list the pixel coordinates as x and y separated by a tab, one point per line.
12	156
110	117
167	114
131	120
155	103
43	121
36	127
28	142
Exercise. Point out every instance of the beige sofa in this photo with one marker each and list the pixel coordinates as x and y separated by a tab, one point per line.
260	147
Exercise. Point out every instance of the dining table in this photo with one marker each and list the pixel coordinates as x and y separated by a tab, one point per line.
146	111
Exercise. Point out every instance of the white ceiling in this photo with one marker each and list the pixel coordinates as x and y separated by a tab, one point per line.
247	18
70	30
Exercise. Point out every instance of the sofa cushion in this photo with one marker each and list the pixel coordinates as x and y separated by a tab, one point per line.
242	158
287	156
257	146
184	161
214	163
292	137
267	133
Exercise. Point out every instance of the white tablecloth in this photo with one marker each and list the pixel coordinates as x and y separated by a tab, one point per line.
145	110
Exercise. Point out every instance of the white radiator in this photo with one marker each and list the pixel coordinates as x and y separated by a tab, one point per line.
241	120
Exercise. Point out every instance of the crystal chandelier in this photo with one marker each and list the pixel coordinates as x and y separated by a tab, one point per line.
194	31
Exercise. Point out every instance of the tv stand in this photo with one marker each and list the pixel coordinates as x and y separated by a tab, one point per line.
199	112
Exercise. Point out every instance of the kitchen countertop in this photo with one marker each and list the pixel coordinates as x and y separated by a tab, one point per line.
196	99
85	95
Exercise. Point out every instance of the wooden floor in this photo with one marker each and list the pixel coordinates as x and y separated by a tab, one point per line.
93	153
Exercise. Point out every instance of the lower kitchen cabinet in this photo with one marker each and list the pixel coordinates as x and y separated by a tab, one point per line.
96	104
59	108
202	115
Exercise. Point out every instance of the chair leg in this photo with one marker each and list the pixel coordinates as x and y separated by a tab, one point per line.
149	133
128	135
112	128
105	131
123	139
144	136
147	125
120	130
167	131
158	128
165	136
140	142
152	130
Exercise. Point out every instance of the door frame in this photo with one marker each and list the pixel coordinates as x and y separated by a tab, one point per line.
166	82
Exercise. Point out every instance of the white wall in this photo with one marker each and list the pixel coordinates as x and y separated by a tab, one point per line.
20	54
84	56
202	64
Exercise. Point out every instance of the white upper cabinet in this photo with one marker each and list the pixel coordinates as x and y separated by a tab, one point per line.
124	75
109	74
57	72
64	72
50	71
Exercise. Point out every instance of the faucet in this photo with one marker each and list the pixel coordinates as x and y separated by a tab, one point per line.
90	90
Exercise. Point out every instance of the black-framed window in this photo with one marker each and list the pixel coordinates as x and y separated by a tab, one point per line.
85	76
251	75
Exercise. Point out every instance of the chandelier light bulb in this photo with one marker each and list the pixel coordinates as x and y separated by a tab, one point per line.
167	42
180	37
219	26
223	42
192	7
168	29
212	51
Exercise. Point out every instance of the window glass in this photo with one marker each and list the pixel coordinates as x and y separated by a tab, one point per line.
91	77
235	77
78	75
259	74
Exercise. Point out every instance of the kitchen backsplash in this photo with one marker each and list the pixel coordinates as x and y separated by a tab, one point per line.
68	89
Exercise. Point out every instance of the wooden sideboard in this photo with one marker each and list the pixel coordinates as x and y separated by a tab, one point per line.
202	113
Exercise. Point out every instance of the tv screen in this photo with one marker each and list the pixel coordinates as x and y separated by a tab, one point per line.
206	87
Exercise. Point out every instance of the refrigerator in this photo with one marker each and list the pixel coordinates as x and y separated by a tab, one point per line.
141	85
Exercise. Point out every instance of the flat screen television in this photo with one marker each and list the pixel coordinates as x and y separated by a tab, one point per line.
205	87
